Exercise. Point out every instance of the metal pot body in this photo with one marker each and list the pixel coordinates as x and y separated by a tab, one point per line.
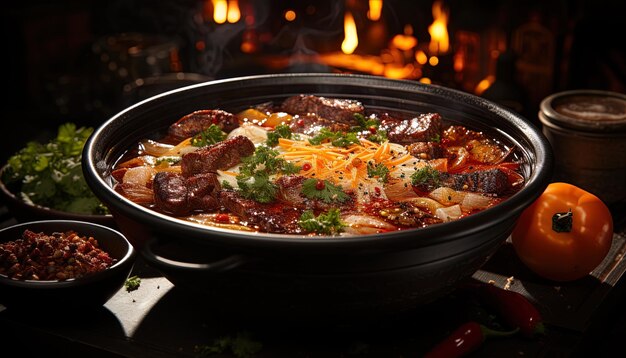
338	275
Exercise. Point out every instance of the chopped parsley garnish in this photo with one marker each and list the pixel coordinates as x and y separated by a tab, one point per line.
378	137
323	190
326	223
167	160
436	138
132	283
254	176
377	170
371	125
338	139
208	136
365	123
280	131
426	176
226	185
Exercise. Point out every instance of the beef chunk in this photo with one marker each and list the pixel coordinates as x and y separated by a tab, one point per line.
276	217
311	124
426	150
195	122
491	181
179	196
222	155
334	109
423	128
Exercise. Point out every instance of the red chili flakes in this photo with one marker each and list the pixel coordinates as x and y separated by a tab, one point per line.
59	256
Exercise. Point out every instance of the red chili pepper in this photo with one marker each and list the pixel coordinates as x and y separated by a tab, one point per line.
306	166
513	307
467	338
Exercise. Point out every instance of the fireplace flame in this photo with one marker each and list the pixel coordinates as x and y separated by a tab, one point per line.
351	39
375	9
439	41
233	14
220	11
226	10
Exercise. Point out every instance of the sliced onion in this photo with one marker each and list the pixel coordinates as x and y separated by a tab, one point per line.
427	203
155	149
447	196
449	213
140	176
365	224
256	134
473	201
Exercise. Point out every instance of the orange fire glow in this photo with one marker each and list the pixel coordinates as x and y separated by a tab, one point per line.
375	9
484	84
220	11
351	40
406	41
438	30
233	14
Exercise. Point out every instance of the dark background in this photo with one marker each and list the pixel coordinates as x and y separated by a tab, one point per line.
53	72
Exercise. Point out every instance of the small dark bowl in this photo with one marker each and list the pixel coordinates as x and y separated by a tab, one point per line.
89	291
24	212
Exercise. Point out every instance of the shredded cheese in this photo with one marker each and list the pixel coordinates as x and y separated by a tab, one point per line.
341	165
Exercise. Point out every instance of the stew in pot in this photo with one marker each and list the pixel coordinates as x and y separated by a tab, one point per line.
318	166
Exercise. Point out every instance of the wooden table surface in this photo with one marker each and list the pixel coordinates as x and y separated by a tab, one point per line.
159	320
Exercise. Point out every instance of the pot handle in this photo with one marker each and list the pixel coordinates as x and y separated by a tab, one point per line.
226	264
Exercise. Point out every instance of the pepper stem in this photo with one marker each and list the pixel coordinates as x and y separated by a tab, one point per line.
562	222
488	332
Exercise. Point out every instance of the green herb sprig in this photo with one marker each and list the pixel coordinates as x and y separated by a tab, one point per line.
208	136
253	179
50	174
324	191
328	223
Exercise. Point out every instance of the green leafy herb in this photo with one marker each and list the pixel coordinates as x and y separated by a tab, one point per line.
338	139
368	125
208	136
436	138
328	223
167	160
378	137
242	346
427	176
226	185
50	174
378	170
323	190
132	283
254	176
280	131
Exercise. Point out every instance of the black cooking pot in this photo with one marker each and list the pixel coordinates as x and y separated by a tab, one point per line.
263	274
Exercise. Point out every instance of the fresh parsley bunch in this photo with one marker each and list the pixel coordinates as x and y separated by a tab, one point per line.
50	174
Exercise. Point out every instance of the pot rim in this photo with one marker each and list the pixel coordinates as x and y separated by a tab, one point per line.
549	116
536	182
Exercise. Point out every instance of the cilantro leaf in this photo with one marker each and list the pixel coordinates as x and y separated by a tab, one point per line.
132	283
49	174
338	139
426	176
324	191
379	170
208	136
254	176
280	131
326	223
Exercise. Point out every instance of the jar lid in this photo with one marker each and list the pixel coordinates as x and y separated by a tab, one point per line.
589	110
